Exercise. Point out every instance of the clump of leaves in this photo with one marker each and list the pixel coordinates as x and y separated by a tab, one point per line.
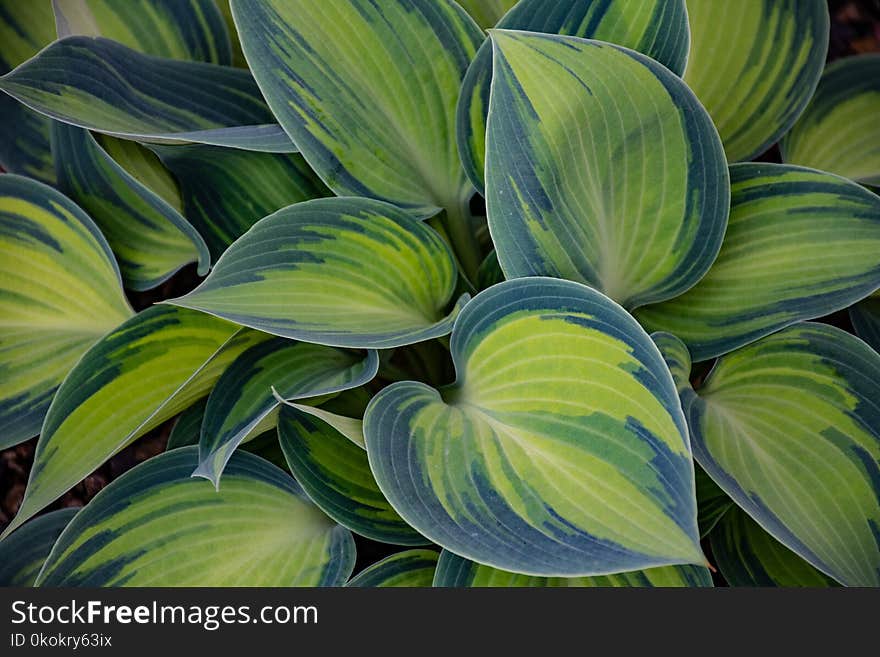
370	352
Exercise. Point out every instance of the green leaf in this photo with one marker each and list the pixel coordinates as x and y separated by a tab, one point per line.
586	150
456	572
790	429
25	27
243	396
348	427
712	502
754	67
839	131
149	237
410	568
335	473
142	373
800	244
487	12
376	126
657	28
23	554
489	272
748	556
96	83
345	272
865	316
237	54
60	291
152	525
179	29
145	166
560	450
221	202
188	426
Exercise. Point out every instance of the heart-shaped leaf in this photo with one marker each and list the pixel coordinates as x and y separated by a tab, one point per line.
243	396
96	83
376	126
748	556
865	316
411	568
755	66
142	373
601	168
336	474
657	28
456	572
151	526
800	244
60	291
790	429
839	131
180	29
221	202
22	555
345	272
149	237
561	448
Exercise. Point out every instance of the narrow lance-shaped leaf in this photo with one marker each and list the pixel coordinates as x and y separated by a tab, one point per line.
789	428
839	131
346	272
455	572
487	12
800	244
754	65
221	202
410	568
560	450
179	29
244	394
151	526
602	168
142	373
145	166
336	474
237	54
60	291
96	83
377	126
657	28
746	555
22	555
150	238
349	427
188	427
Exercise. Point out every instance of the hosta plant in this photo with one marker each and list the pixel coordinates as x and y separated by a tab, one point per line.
511	293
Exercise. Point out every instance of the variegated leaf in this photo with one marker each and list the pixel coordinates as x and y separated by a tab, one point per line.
754	65
560	450
602	168
346	272
411	568
60	292
800	244
22	555
487	12
151	527
865	317
789	428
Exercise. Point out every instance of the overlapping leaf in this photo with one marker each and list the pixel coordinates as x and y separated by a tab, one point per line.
865	317
411	568
244	396
336	474
150	238
712	502
347	272
560	450
602	168
455	572
22	555
657	28
60	291
487	12
96	83
800	244
144	372
221	202
188	426
754	65
150	527
748	556
839	131
789	427
378	125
